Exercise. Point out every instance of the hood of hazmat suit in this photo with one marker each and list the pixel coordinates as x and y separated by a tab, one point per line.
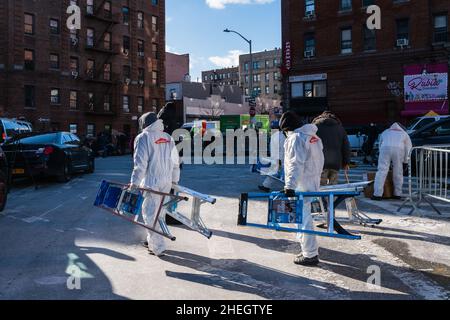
304	159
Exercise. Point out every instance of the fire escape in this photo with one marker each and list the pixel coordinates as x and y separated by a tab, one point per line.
105	51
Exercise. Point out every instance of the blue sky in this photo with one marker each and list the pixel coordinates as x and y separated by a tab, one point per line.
196	27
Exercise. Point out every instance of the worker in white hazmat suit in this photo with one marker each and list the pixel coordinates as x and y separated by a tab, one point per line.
395	146
304	161
277	141
156	167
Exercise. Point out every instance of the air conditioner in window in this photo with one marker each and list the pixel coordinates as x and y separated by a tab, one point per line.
75	74
402	42
309	53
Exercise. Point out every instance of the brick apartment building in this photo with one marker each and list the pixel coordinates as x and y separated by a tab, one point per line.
266	73
222	77
331	60
177	67
101	77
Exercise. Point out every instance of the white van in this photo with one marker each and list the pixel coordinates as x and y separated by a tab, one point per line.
11	127
421	122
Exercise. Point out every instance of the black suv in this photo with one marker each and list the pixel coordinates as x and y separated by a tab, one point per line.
437	133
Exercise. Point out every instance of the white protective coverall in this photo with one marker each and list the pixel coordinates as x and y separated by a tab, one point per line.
395	146
304	161
156	167
277	141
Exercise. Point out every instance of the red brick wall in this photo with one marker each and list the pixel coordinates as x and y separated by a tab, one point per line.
12	102
356	91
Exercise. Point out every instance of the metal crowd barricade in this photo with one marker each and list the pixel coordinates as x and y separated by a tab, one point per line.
428	177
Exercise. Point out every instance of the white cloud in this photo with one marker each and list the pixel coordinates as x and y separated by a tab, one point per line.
231	59
221	4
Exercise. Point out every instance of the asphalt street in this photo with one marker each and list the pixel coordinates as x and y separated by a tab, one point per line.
47	233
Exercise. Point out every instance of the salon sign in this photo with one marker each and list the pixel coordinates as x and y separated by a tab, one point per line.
428	85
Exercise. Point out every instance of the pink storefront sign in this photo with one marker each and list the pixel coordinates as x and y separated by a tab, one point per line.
425	89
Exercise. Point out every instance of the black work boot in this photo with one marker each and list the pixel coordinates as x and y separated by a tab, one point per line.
301	260
145	244
375	198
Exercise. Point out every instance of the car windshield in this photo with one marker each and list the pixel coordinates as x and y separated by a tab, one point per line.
48	138
420	123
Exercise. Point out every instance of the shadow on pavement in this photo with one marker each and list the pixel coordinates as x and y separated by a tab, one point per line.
247	277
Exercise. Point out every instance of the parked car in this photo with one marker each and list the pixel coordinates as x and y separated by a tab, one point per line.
58	154
436	133
4	180
9	128
422	122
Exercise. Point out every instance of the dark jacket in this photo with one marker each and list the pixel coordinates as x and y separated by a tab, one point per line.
168	115
336	146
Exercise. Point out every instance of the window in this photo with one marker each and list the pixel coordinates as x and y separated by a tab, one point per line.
267	63
73	38
141	75
54	96
73	100
154	23
154	2
267	77
403	29
257	91
126	73
276	62
155	78
255	65
316	89
126	44
140	20
90	69
29	23
275	89
54	26
367	3
126	104
256	78
346	41
126	15
140	105
309	7
91	99
29	59
90	34
30	96
141	48
90	130
107	72
155	51
246	78
276	76
107	10
107	41
310	45
155	104
267	90
90	6
54	61
440	28
73	128
247	91
107	102
74	66
346	5
370	40
246	66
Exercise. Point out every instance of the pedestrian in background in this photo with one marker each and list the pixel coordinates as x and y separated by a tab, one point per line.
372	136
336	147
303	162
395	146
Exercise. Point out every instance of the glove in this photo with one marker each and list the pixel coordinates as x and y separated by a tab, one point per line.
289	193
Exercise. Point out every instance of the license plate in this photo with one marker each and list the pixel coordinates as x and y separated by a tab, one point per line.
18	171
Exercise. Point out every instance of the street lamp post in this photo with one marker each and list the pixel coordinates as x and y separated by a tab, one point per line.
251	58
